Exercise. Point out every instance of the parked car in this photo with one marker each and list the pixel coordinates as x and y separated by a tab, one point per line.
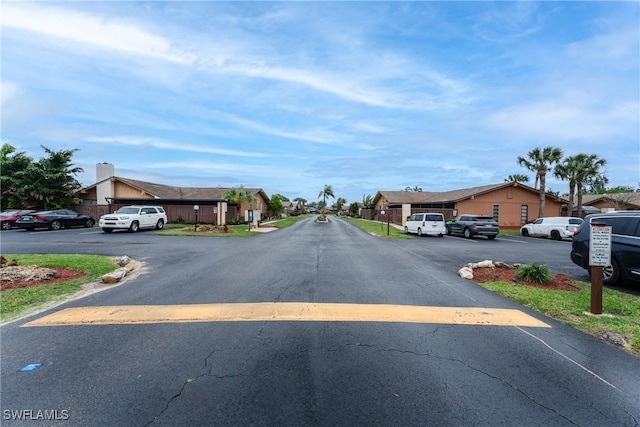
9	217
625	245
474	225
556	227
54	220
133	218
426	223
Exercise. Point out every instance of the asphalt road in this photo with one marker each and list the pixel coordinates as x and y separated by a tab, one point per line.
262	372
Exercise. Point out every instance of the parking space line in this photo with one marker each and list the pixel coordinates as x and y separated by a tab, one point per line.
287	311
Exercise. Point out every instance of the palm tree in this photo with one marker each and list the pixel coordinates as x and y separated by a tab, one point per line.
340	203
587	166
539	160
327	191
567	171
516	177
300	202
238	196
367	201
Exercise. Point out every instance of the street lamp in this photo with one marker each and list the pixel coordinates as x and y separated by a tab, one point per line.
196	208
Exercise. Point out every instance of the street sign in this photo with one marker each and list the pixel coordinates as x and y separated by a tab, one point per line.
600	246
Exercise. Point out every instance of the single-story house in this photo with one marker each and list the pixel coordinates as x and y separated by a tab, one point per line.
612	201
511	204
110	192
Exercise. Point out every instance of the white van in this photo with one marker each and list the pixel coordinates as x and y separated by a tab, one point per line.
556	227
426	223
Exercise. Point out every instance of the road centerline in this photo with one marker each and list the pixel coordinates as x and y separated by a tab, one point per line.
287	311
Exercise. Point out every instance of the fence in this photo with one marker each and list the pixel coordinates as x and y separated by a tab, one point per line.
175	213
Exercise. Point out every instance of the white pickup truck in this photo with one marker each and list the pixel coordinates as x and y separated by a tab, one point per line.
556	227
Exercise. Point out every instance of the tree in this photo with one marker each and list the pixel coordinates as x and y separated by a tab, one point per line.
598	184
567	171
46	184
11	164
238	196
587	167
354	209
414	188
327	191
516	177
340	203
539	160
281	197
275	204
300	203
367	201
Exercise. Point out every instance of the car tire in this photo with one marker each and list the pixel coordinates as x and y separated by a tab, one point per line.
555	235
107	230
160	224
419	231
448	231
611	273
467	233
406	230
525	232
440	235
135	226
6	225
55	225
89	223
491	237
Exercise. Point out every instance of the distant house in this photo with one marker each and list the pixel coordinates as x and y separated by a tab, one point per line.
612	201
511	204
111	192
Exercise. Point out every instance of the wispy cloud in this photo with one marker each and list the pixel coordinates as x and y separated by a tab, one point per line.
90	29
175	146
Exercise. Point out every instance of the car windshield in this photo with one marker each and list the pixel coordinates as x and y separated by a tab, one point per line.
127	211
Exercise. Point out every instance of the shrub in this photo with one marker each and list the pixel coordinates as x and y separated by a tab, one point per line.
534	273
322	217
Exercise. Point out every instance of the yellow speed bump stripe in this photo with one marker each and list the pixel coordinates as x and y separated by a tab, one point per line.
287	311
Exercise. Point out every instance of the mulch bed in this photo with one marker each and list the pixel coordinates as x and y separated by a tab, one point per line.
559	282
62	274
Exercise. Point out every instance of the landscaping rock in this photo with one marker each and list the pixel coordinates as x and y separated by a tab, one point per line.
115	276
466	273
615	339
123	260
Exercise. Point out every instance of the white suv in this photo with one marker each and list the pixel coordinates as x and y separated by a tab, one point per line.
426	223
556	227
133	218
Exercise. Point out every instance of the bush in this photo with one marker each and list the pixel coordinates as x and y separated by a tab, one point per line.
322	217
534	273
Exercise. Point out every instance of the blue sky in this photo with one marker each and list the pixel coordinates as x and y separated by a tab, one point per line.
290	96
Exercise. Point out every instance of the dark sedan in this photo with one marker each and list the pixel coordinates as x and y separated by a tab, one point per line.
473	225
54	220
8	218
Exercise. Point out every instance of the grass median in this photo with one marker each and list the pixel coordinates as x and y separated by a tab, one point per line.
621	311
377	228
15	302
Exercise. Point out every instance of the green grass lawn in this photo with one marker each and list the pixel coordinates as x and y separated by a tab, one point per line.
377	229
237	230
14	302
621	311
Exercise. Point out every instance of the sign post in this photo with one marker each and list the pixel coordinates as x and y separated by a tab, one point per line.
599	257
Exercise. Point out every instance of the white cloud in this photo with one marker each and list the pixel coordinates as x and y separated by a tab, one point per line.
8	91
165	145
90	29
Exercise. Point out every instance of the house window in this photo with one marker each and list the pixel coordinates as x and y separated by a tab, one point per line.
496	212
524	214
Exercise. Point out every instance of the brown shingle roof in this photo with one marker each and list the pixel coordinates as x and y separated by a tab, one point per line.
628	198
416	197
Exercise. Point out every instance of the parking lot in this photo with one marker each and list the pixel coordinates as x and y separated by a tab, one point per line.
450	251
